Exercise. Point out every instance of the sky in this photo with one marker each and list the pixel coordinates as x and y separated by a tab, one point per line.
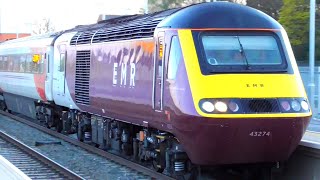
20	15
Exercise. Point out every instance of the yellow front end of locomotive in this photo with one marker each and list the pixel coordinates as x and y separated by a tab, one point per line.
240	85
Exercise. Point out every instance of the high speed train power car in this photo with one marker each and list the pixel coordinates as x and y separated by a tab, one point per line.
208	84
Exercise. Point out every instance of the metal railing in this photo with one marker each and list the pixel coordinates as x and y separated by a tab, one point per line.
315	104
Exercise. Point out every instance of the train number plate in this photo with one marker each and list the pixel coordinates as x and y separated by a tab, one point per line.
260	133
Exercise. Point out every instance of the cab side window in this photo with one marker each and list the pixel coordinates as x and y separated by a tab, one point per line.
174	58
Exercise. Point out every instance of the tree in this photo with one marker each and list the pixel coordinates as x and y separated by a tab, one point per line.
270	7
44	26
294	16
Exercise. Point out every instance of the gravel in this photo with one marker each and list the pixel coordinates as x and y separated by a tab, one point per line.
82	162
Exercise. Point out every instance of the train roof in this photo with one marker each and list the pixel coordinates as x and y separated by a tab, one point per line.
220	15
120	28
49	36
197	16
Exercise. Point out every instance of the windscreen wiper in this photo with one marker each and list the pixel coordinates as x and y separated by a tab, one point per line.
243	54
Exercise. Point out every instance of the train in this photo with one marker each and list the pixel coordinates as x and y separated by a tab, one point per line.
208	84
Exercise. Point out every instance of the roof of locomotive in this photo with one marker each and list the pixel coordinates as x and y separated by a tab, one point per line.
120	28
219	15
197	16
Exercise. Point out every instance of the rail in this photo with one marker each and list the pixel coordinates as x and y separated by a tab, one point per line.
110	156
61	171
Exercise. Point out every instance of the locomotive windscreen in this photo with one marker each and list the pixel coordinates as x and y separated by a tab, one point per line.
244	52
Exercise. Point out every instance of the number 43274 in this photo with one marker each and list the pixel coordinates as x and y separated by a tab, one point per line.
260	133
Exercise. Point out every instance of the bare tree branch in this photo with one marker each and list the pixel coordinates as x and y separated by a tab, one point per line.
43	26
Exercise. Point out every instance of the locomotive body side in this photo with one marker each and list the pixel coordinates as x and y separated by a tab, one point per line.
120	79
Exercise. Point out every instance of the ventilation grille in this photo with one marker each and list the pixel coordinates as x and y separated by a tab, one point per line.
121	28
132	31
123	32
260	105
82	77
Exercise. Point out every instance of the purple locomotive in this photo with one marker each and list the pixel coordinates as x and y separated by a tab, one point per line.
209	84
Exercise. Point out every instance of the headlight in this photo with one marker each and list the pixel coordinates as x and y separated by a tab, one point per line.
285	105
207	106
221	106
304	105
233	107
295	105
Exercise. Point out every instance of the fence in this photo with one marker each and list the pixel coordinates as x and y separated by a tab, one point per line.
304	71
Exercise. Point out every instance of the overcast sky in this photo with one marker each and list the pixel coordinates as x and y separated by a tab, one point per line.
21	14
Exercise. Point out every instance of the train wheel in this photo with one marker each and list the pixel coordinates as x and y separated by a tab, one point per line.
48	120
3	106
156	168
80	134
59	126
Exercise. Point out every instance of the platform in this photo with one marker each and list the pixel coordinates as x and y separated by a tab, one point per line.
9	172
311	139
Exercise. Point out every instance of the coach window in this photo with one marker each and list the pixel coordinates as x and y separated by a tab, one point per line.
16	63
36	59
10	63
1	63
28	63
22	63
5	63
41	63
62	62
174	58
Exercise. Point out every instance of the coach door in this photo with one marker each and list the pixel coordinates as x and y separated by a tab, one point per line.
60	71
48	56
158	77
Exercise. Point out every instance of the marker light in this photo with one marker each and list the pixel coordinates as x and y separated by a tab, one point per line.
207	106
295	105
221	106
233	106
285	105
304	105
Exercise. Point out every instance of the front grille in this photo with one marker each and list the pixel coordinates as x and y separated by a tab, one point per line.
260	106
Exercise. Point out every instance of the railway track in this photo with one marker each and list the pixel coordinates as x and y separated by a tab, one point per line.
137	167
30	162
